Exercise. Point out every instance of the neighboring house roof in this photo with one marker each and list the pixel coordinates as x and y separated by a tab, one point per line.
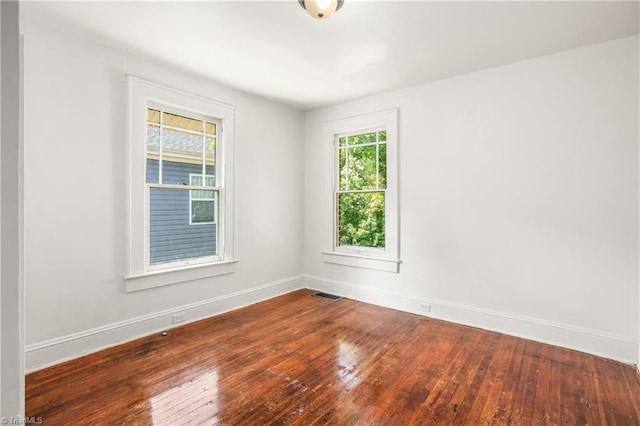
179	146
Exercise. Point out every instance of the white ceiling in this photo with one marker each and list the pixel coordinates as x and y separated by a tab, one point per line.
275	49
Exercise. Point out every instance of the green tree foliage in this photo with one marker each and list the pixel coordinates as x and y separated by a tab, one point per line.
363	164
361	219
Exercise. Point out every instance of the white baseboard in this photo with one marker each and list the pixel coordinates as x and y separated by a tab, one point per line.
589	341
55	351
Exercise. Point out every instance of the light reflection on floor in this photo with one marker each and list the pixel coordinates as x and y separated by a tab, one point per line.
348	358
175	406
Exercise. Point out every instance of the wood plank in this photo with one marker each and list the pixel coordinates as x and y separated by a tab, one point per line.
301	360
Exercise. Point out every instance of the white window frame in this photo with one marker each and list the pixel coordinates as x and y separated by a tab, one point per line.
192	198
383	259
140	273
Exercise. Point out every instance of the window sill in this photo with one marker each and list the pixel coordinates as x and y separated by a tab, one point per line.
360	261
178	275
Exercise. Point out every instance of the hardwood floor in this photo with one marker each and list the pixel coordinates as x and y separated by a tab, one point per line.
302	360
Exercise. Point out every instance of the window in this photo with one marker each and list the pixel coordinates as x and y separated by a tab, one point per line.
180	187
360	194
181	149
202	204
364	211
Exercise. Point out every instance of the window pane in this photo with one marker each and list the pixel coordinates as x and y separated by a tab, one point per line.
362	167
382	136
181	152
203	195
361	219
153	153
365	138
181	122
342	141
195	180
382	166
343	169
210	158
202	211
171	237
179	146
153	115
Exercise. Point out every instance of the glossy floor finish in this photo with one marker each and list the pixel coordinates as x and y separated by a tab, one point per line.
302	360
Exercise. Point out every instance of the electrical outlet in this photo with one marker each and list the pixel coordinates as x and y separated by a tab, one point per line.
178	318
424	307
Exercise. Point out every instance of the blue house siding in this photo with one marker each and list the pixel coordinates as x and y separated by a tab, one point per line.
171	236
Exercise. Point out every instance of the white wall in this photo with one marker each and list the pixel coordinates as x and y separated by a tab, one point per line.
11	290
75	211
518	200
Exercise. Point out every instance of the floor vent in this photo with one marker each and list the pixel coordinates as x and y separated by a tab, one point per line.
331	297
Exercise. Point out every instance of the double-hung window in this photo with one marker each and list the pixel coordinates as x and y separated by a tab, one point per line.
364	211
180	187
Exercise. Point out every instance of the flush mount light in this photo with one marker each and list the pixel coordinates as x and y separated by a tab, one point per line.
321	9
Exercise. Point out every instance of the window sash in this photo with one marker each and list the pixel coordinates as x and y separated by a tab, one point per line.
191	261
374	233
343	182
205	153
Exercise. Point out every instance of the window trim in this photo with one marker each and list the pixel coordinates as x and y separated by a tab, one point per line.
386	259
191	199
143	94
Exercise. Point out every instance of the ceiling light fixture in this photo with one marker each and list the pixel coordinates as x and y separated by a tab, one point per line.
321	9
